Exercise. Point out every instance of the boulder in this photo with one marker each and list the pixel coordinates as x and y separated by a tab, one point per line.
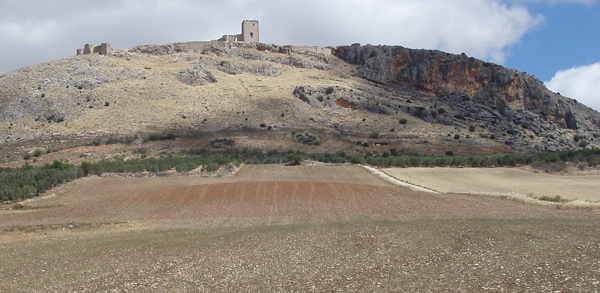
196	76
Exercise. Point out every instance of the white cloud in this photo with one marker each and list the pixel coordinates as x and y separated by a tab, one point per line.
484	29
581	83
480	28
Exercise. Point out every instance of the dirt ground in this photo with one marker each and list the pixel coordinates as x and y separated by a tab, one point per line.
290	229
502	181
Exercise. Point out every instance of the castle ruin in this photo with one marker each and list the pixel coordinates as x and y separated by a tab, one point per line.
249	33
103	49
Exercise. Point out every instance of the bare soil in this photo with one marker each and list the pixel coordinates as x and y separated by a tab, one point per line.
502	181
291	229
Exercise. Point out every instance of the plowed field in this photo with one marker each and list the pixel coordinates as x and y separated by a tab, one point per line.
280	228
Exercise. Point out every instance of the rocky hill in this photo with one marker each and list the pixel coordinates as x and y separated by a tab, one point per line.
420	100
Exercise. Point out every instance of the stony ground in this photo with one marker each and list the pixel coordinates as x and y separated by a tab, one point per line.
72	101
291	229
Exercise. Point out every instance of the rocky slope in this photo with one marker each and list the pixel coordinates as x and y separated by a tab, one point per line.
443	74
429	100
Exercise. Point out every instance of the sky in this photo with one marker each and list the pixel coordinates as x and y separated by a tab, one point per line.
558	41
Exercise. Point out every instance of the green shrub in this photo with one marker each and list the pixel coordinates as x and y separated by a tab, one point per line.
456	136
329	90
357	160
403	121
37	153
501	109
112	140
157	137
441	111
472	128
106	104
374	135
295	159
320	98
556	198
211	167
459	116
26	156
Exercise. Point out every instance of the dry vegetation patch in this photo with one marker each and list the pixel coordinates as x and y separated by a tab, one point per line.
502	181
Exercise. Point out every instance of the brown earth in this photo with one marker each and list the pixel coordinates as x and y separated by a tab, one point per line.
282	228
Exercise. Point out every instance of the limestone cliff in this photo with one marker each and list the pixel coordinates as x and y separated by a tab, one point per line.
489	84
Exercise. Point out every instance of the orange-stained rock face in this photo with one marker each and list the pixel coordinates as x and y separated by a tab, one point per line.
439	73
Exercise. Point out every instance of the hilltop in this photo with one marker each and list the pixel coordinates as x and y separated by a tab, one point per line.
263	95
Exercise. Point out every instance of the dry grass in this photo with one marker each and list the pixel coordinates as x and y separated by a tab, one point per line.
514	182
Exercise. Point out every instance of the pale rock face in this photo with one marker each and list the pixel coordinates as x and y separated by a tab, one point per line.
196	76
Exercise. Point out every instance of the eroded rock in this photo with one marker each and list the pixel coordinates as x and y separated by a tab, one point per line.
196	76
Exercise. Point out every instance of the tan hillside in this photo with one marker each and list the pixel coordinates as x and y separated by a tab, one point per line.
249	91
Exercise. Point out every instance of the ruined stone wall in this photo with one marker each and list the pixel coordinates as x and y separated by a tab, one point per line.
103	49
230	38
313	49
88	49
250	31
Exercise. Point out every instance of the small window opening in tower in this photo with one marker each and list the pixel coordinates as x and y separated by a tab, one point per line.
251	35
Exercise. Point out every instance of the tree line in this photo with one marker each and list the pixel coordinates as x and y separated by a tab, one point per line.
28	180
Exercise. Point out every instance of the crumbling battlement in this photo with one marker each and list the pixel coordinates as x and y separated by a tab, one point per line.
103	49
249	33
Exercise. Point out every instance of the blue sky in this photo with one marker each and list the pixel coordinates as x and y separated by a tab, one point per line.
568	37
556	40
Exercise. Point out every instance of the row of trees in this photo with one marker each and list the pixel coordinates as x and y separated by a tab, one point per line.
27	181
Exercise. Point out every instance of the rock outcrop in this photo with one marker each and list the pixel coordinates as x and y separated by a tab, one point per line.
196	76
234	68
488	84
339	97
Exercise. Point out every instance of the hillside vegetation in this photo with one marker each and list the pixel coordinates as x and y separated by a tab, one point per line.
429	101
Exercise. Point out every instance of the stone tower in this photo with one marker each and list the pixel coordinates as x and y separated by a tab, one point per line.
250	31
